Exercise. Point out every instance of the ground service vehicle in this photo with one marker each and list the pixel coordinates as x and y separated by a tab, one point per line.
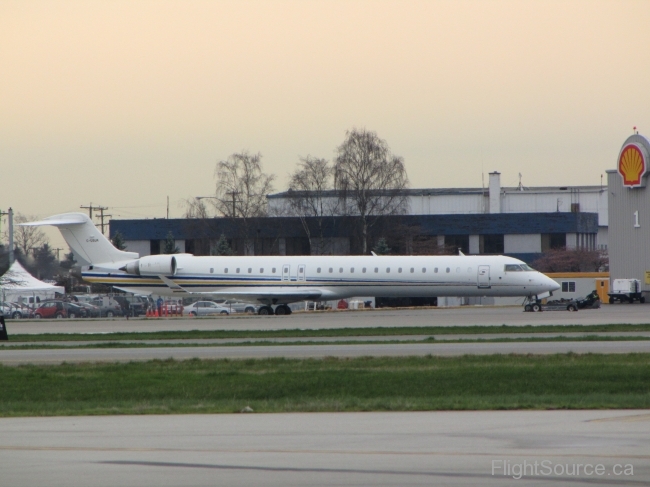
626	291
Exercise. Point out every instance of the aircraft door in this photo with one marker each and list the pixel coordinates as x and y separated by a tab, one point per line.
286	268
301	272
484	276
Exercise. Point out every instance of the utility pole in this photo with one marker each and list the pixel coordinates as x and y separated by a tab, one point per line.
234	208
96	208
102	216
90	210
10	215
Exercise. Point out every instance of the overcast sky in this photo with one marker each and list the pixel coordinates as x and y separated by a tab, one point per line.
125	103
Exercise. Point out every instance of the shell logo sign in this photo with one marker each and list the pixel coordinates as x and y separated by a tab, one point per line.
632	165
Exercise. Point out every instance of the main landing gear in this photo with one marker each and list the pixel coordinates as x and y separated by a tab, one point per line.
280	309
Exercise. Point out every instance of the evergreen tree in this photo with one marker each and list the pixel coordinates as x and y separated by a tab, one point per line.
69	262
382	247
170	245
45	262
222	247
118	241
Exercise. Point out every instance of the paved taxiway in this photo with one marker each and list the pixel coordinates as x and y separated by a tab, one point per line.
78	355
465	316
418	448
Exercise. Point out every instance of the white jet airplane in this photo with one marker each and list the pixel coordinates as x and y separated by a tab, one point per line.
275	281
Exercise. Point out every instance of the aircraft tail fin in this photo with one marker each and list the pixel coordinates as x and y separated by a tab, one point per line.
87	243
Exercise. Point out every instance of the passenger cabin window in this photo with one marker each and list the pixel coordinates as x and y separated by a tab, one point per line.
331	270
376	269
250	270
261	270
399	270
513	268
318	270
237	270
225	271
273	270
340	269
424	269
211	270
435	270
387	270
448	270
351	270
363	270
457	270
412	270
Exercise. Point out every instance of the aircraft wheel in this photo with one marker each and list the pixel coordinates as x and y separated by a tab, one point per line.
611	300
536	307
642	299
265	311
281	310
528	308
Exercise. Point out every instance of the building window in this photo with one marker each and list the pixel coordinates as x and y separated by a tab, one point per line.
553	241
491	244
568	286
458	242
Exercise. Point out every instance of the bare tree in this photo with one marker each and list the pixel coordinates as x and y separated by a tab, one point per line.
242	186
27	238
308	197
370	178
572	260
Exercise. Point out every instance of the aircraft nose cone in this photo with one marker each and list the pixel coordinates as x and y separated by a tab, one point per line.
552	285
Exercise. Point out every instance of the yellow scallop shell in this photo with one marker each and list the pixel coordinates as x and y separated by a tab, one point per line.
631	165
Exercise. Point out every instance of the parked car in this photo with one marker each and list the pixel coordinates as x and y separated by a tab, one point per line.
205	308
108	306
75	310
239	307
17	311
92	311
135	305
51	309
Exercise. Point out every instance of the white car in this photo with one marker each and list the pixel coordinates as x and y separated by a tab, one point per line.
238	307
205	308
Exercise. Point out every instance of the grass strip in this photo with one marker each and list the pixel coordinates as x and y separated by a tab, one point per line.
563	381
331	332
266	343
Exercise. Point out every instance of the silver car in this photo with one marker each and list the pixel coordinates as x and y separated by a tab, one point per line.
238	307
205	308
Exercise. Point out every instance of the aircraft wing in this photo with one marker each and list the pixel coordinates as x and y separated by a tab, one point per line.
283	294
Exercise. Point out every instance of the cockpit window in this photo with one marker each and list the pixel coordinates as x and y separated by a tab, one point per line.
526	267
513	268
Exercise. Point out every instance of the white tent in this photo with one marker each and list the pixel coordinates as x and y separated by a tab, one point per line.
17	283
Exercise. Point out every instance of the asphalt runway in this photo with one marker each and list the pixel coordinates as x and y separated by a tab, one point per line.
464	316
335	449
